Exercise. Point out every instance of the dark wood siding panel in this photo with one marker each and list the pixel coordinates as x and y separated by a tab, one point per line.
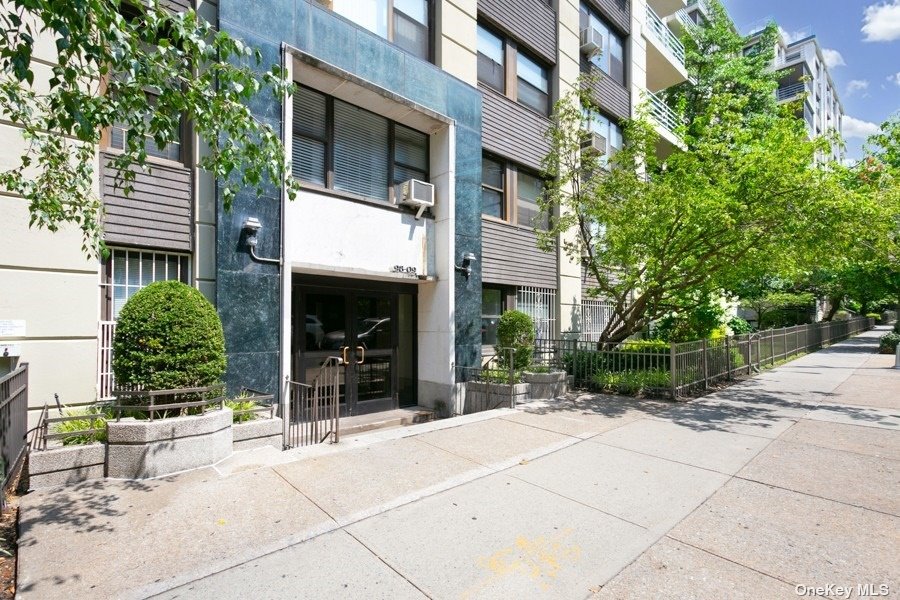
616	11
157	214
511	130
177	5
610	96
511	257
532	22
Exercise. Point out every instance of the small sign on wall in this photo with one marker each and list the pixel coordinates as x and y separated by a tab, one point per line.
12	327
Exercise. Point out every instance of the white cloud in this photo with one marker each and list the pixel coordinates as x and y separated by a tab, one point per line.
881	22
792	36
857	128
833	58
895	78
857	85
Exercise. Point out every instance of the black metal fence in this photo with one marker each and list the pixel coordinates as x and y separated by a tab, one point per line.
311	412
681	369
13	426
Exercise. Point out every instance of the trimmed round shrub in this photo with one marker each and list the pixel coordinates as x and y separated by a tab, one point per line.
168	336
739	326
887	344
515	330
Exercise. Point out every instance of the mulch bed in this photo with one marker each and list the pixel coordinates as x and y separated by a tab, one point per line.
8	544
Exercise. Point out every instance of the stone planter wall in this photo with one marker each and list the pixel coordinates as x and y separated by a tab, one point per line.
481	396
257	433
546	386
66	465
139	449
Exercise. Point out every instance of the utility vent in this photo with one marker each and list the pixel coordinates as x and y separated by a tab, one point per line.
418	194
594	142
591	41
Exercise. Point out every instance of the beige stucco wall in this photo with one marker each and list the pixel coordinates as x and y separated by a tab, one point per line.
47	281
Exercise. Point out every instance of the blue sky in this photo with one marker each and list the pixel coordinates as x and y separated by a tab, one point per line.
866	66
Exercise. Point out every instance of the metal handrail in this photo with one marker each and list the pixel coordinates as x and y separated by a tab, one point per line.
661	112
793	90
664	35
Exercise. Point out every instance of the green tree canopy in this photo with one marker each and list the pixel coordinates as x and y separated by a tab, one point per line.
145	68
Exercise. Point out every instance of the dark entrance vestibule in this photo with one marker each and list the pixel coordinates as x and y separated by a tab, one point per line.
370	326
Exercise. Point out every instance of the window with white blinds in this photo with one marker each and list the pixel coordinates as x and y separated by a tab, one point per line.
346	148
361	151
310	136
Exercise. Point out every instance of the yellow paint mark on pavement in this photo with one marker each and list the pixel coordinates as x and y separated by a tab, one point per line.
538	559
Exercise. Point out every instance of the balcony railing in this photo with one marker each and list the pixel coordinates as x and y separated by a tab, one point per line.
793	56
789	92
661	113
665	36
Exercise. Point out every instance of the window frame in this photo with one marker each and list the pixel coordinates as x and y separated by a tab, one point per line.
511	51
510	191
430	25
611	30
106	141
329	141
507	303
108	284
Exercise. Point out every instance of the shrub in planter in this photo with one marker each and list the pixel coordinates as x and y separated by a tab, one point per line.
897	327
739	326
515	330
168	336
888	343
876	316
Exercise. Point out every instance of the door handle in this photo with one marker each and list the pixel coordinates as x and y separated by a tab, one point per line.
344	354
362	351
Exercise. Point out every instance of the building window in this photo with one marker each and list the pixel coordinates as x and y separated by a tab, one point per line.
127	271
533	87
493	176
491	60
540	305
403	22
493	303
118	140
502	60
529	190
609	129
512	193
611	57
340	146
595	316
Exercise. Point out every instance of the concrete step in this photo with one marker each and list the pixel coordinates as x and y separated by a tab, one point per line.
401	417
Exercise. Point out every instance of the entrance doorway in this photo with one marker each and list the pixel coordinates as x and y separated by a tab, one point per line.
370	327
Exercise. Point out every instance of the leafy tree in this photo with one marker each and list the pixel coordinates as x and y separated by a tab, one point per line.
661	237
140	66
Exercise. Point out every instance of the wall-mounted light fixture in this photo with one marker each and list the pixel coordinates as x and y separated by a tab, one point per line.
251	228
466	267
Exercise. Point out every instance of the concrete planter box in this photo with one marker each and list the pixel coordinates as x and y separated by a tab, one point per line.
546	386
66	465
482	396
257	433
139	449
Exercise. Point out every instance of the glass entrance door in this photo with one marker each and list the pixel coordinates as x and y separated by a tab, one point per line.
359	327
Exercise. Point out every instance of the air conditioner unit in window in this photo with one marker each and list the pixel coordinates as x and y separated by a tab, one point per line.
594	142
591	41
418	194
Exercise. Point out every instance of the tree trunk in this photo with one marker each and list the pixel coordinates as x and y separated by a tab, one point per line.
834	303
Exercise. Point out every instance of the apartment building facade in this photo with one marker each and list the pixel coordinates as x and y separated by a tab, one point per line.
456	95
803	73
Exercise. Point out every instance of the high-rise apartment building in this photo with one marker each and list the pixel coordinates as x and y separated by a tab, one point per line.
803	73
417	133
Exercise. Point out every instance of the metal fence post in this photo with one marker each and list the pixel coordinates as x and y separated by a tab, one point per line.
512	377
728	356
772	344
673	382
703	348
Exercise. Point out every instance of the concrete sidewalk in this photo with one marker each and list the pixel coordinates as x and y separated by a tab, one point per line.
790	478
